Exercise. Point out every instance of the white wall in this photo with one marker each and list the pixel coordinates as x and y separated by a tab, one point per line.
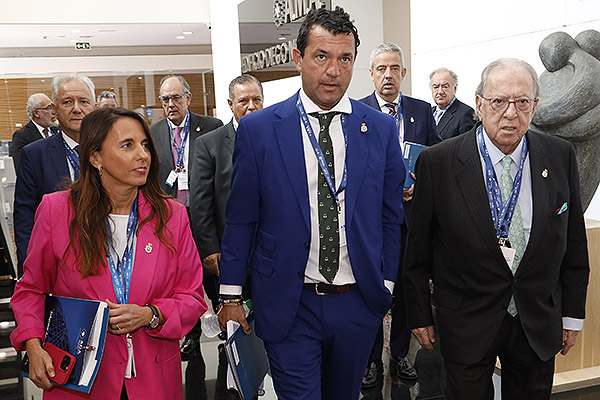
466	35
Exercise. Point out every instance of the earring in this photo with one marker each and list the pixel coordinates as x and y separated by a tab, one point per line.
100	170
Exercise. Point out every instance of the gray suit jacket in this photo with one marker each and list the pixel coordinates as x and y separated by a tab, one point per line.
199	125
210	187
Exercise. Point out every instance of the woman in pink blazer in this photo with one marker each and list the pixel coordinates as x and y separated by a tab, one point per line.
114	236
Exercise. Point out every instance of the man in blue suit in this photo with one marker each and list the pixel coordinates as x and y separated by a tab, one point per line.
415	124
51	164
315	209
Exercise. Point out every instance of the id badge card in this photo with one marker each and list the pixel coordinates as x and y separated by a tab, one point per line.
182	180
509	255
171	178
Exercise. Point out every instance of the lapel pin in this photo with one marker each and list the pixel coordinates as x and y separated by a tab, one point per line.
197	129
148	248
412	120
363	128
545	173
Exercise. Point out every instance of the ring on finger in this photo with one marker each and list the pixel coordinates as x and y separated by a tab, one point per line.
117	326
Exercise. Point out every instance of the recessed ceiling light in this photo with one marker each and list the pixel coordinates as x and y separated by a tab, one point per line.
180	37
61	36
76	30
188	33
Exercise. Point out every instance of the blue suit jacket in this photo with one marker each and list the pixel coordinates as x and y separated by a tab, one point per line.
419	125
42	169
268	213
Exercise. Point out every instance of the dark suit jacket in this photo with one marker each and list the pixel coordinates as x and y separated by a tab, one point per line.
419	126
459	118
21	138
43	169
268	211
199	125
452	239
211	186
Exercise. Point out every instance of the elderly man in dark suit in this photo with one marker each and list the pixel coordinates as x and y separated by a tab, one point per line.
41	114
498	226
415	124
51	164
451	116
174	136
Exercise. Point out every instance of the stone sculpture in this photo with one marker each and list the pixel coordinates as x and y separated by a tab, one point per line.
569	104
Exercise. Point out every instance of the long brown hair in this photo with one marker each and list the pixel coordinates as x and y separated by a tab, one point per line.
88	234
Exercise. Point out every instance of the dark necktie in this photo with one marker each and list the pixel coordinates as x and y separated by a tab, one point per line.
391	109
329	237
45	133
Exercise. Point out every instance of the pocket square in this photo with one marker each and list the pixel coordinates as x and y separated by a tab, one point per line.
562	209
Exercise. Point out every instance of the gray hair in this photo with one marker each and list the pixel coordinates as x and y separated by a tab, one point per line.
452	75
107	95
71	76
34	102
387	47
180	78
505	62
243	80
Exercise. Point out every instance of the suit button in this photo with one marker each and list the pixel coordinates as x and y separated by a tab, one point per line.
300	274
306	245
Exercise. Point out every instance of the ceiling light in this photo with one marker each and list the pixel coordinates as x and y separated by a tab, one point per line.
188	33
106	30
180	37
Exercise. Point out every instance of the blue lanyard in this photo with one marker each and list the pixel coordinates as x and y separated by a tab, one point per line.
121	272
501	214
73	159
180	149
399	114
319	153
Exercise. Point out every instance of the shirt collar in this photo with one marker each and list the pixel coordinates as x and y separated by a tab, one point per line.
496	155
70	142
39	127
235	124
343	106
383	102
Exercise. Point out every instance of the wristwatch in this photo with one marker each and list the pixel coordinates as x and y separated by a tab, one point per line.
155	317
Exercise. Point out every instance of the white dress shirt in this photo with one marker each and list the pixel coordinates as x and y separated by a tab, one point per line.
71	143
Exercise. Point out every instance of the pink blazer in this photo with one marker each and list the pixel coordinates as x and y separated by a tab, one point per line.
173	282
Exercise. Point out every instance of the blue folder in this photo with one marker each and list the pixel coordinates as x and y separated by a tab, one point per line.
248	360
411	153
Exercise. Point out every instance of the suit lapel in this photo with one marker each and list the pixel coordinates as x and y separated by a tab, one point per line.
59	157
446	118
409	124
472	186
229	138
164	145
356	157
289	138
539	192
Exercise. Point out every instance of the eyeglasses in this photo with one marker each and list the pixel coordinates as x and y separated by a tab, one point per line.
177	98
500	104
47	108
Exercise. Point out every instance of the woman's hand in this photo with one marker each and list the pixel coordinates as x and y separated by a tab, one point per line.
40	364
127	318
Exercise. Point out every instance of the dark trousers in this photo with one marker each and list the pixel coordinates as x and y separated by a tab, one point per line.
400	334
325	353
524	375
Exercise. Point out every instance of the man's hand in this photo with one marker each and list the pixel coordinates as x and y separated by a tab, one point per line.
233	312
211	263
425	336
408	193
569	339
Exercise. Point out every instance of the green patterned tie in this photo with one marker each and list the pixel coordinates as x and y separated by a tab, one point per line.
329	237
516	235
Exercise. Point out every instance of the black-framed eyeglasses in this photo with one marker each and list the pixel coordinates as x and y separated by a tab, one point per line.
500	104
47	108
177	98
